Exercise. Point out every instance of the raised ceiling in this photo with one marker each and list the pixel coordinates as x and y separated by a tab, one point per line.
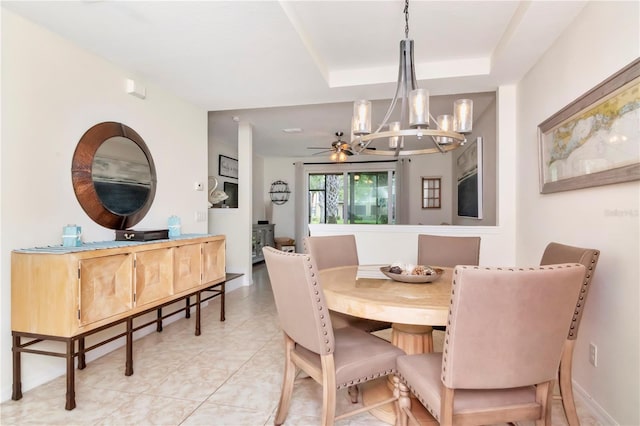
236	58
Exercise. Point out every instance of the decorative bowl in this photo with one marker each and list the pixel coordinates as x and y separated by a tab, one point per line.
412	279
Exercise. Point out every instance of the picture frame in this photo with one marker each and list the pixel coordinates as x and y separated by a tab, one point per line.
595	140
227	167
469	179
431	192
231	189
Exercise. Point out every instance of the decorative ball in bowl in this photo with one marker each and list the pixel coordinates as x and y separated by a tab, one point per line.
416	275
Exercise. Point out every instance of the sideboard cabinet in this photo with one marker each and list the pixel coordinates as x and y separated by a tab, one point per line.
65	294
262	237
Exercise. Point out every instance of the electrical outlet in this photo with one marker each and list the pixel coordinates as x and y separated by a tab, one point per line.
593	354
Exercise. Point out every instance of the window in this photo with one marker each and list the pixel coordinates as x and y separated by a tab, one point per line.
431	191
355	197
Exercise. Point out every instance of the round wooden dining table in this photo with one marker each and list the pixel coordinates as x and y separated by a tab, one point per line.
412	308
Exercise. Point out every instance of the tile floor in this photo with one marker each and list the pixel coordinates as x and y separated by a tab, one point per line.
230	375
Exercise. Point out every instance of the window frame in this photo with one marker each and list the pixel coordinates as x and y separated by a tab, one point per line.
431	192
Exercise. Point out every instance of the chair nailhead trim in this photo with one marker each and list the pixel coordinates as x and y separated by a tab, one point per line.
366	378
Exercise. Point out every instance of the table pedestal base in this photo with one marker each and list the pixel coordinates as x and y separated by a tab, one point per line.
412	339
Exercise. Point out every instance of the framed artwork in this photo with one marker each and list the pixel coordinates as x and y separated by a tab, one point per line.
231	189
469	178
227	167
595	140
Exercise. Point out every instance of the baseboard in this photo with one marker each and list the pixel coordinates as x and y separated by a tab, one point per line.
587	401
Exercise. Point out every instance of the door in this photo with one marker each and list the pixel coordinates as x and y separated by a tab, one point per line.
105	287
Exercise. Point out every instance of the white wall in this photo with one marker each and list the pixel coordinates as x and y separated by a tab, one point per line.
484	127
52	92
603	39
235	223
282	216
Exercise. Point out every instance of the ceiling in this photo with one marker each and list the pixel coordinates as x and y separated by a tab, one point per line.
300	64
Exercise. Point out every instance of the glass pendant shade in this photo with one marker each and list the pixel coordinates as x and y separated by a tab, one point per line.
418	108
394	126
361	117
445	122
463	115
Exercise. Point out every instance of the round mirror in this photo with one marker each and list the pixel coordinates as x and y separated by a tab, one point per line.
113	175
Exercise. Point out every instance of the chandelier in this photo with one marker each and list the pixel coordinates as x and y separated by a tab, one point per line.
415	117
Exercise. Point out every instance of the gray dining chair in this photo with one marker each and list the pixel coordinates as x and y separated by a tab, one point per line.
335	358
340	250
561	253
503	345
438	250
448	251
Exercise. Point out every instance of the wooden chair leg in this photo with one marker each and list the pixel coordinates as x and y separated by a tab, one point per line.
566	384
287	383
403	402
446	406
353	393
543	396
328	390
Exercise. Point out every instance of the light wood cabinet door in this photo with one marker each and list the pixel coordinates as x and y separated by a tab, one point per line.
104	287
213	261
186	267
153	275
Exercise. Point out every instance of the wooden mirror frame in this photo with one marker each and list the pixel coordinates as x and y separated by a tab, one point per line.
81	175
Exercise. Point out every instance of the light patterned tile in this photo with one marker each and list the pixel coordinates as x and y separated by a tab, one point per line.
195	382
45	405
151	410
220	415
258	393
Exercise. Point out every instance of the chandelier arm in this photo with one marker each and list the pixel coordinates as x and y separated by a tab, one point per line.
437	145
434	120
403	153
392	106
415	132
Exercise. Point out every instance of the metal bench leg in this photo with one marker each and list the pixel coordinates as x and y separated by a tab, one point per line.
17	380
71	393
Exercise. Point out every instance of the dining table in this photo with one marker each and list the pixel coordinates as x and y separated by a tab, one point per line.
412	309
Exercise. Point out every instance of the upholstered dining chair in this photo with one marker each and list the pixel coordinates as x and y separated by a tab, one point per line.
335	358
340	250
560	253
505	334
438	250
447	251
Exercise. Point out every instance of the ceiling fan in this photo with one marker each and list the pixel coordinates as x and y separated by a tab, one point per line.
339	149
336	147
